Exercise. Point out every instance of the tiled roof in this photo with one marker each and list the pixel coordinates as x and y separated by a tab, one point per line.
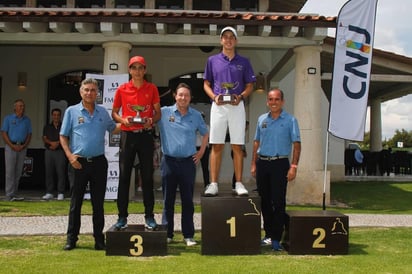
164	16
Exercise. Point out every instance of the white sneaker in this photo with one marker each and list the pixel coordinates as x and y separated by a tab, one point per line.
240	189
139	189
169	240
60	197
190	242
211	189
266	241
48	196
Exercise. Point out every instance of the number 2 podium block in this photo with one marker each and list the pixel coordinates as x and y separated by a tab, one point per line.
136	241
231	225
317	232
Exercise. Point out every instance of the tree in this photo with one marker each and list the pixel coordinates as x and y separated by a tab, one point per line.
365	144
401	136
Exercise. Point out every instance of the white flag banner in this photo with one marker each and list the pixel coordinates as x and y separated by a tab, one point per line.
108	85
351	71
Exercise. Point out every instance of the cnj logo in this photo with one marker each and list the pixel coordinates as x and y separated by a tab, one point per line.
360	52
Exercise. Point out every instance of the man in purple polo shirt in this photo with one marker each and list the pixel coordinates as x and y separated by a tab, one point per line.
228	80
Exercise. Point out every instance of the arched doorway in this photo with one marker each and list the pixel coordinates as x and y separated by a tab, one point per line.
200	100
63	90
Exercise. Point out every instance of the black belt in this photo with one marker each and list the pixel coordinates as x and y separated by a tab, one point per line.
272	158
178	159
141	130
17	143
90	159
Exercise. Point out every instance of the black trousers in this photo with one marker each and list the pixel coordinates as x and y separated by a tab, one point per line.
272	185
95	173
130	144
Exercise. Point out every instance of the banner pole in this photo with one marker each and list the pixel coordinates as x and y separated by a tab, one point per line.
325	171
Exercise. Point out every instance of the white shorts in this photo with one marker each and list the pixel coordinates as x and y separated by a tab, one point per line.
224	116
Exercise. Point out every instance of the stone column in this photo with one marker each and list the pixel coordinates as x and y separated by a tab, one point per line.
308	186
116	53
376	126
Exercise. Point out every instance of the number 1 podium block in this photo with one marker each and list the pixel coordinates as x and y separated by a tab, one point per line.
317	232
136	241
231	225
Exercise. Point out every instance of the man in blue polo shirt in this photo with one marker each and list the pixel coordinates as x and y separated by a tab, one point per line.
178	127
16	131
82	137
277	132
228	80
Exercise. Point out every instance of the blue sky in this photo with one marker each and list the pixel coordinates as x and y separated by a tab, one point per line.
393	32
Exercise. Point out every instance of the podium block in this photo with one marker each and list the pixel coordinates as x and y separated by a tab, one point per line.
136	241
231	225
317	232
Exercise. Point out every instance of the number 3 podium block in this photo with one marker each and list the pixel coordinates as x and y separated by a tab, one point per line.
317	232
136	241
230	225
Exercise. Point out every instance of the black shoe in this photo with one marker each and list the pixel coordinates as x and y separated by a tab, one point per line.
99	246
69	246
15	198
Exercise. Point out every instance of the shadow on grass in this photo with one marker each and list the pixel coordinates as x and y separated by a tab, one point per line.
357	249
179	248
382	197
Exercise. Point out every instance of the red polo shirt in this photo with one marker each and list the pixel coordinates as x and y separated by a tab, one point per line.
127	96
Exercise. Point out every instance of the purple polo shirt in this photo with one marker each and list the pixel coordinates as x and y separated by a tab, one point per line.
238	71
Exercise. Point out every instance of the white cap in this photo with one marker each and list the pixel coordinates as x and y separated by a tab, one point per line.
230	29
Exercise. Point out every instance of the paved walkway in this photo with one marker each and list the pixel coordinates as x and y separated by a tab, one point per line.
49	225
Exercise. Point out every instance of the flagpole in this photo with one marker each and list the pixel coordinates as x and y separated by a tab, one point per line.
325	171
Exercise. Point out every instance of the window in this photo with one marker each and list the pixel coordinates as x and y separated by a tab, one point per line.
170	4
132	4
13	3
243	5
51	3
207	5
90	3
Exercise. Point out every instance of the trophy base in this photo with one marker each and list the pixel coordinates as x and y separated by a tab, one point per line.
137	120
226	98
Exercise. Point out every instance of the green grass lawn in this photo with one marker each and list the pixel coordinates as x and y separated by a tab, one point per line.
371	250
346	197
374	197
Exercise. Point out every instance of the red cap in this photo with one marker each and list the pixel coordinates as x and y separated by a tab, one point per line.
137	59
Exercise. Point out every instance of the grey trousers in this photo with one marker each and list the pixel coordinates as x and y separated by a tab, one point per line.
55	163
14	162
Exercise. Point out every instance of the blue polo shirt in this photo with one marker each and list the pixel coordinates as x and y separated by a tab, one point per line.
17	128
219	69
276	136
86	132
178	133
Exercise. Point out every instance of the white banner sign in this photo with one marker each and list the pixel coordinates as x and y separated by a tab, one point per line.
108	85
351	72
